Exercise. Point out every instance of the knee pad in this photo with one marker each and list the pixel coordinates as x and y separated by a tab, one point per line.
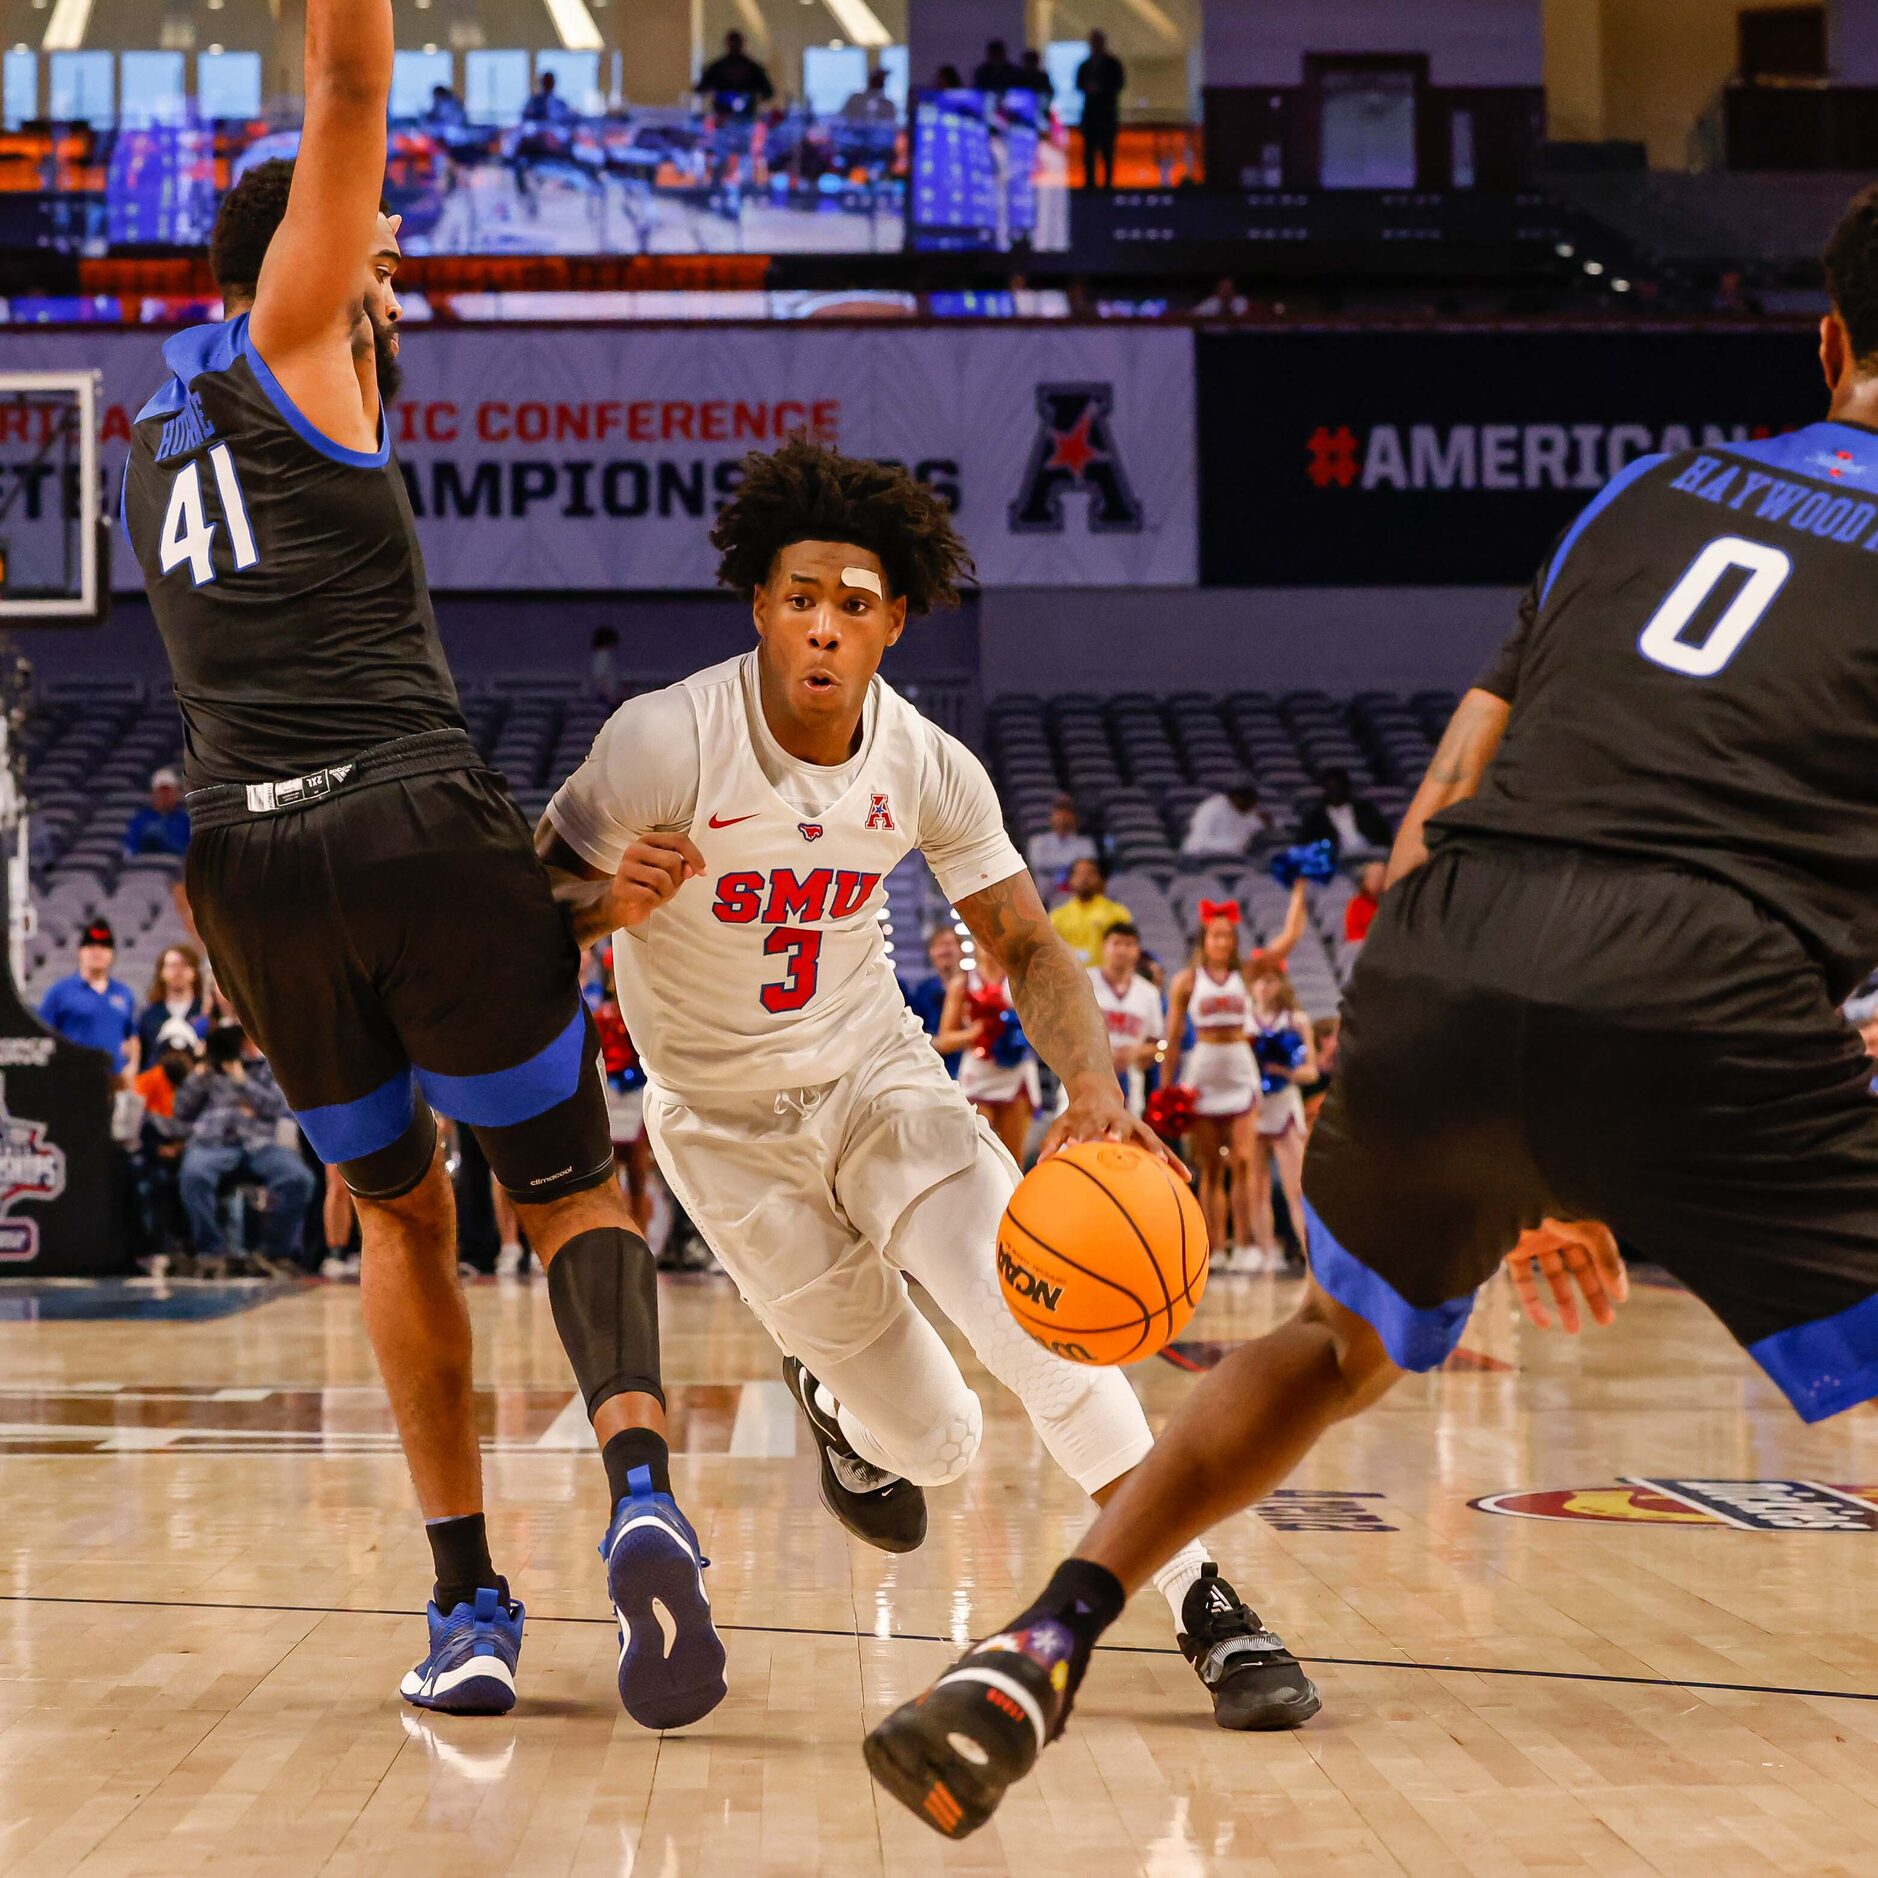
944	1451
603	1289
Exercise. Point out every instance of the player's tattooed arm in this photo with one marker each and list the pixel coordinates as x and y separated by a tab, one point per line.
651	870
1057	1007
1467	746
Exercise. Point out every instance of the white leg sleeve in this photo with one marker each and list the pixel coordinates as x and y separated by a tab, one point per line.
904	1405
1088	1418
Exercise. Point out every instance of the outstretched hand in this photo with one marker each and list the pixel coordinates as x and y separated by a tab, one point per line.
1568	1252
1096	1112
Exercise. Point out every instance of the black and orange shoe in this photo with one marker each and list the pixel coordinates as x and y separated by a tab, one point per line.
949	1754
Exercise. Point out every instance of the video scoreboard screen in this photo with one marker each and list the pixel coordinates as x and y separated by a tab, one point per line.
974	173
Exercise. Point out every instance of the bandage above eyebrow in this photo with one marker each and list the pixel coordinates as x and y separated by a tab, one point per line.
863	577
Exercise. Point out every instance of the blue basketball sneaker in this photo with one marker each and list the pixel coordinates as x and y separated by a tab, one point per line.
671	1662
471	1666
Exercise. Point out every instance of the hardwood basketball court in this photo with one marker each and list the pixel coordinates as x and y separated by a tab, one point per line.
1654	1648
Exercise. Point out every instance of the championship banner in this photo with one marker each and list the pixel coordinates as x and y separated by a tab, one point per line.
1455	459
595	458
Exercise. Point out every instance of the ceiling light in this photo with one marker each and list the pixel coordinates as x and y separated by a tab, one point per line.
65	31
575	25
860	22
1594	267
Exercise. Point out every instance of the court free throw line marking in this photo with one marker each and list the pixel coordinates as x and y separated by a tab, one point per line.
926	1636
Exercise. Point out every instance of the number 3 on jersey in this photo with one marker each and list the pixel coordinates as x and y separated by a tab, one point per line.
188	534
797	987
1662	641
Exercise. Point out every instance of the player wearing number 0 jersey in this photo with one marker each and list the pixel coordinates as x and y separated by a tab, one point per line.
738	829
1600	998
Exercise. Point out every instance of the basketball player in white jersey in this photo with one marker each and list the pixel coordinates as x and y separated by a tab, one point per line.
736	830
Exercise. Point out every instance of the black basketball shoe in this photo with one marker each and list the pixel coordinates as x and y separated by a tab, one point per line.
881	1508
1255	1682
949	1754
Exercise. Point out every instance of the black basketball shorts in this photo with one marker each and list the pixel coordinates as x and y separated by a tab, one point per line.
388	938
1538	1032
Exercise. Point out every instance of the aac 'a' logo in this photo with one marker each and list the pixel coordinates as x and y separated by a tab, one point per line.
31	1168
879	814
1075	454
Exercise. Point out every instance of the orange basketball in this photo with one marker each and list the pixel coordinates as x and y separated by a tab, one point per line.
1102	1253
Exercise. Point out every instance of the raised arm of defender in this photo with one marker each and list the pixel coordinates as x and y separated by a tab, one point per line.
307	305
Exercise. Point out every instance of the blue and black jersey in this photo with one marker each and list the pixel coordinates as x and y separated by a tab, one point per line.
1694	680
283	569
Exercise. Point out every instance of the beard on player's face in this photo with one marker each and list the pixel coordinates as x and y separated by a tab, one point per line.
385	361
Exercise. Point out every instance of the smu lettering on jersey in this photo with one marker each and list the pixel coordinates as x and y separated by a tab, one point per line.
1694	680
771	972
283	570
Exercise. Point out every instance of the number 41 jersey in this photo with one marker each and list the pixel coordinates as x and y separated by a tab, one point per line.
283	570
1695	678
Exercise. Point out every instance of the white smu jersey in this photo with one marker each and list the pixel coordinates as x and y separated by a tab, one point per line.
771	972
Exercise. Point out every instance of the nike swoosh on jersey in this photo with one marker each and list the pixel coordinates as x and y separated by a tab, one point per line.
733	821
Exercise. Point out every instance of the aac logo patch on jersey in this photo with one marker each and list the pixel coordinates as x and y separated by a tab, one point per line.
879	815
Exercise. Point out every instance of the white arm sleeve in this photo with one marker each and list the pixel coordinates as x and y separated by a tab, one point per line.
961	826
640	776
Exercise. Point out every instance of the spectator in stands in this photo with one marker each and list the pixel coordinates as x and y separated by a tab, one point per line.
173	1055
1101	78
734	84
872	105
927	996
163	827
1226	823
93	1009
1086	916
996	72
1035	78
1132	1007
948	78
603	665
175	993
1364	902
1353	825
1054	852
546	109
228	1116
446	110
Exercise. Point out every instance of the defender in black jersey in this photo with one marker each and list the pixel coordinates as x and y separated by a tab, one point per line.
367	889
1600	998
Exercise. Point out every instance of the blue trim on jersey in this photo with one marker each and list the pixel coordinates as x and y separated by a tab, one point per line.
505	1096
1589	513
198	349
310	433
1827	1366
1414	1338
123	502
165	402
348	1131
1840	454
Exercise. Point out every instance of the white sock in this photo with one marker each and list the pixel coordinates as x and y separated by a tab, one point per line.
1180	1573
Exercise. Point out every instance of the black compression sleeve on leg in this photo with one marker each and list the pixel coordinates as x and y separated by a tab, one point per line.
604	1291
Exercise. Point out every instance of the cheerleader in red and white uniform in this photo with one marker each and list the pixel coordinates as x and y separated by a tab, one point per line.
1221	1071
998	1072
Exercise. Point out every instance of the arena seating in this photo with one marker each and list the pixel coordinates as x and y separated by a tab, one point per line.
1136	765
